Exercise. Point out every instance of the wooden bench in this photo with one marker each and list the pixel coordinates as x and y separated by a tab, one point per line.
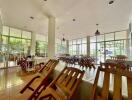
43	75
64	86
117	84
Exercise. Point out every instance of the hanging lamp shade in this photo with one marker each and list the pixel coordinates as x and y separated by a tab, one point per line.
63	39
97	31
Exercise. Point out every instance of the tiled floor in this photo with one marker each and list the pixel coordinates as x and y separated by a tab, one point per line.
12	81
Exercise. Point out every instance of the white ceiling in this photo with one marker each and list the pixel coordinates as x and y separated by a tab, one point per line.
87	13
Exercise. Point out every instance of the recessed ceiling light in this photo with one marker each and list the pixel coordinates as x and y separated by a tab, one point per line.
111	2
73	19
31	17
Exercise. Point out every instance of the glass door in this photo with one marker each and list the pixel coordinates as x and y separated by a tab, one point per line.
100	52
120	47
109	49
3	55
15	49
79	49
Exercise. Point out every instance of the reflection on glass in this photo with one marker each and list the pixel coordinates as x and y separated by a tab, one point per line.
4	39
84	40
93	39
109	36
3	55
120	47
100	38
5	30
93	49
78	47
84	49
41	48
15	32
25	46
109	50
100	52
26	34
111	45
121	35
60	46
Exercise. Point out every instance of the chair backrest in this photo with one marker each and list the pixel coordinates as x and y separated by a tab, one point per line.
114	64
117	90
50	64
69	80
119	58
65	84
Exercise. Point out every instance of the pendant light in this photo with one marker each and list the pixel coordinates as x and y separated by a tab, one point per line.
63	39
97	31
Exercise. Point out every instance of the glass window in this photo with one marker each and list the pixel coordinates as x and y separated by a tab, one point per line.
74	41
79	41
15	41
40	37
15	32
26	42
63	43
121	35
84	49
41	48
26	34
15	45
58	41
84	40
109	36
4	39
26	46
93	50
70	49
93	39
70	42
100	38
78	46
120	47
60	46
5	30
74	48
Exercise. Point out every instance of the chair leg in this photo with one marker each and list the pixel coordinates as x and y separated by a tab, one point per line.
28	85
39	89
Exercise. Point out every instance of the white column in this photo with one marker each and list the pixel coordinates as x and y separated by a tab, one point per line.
33	43
51	37
129	44
67	46
88	45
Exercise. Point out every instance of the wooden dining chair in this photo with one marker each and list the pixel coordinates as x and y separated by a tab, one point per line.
43	75
115	64
104	94
64	86
86	62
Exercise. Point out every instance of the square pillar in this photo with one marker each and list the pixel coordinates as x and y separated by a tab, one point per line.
51	37
88	45
33	43
67	46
